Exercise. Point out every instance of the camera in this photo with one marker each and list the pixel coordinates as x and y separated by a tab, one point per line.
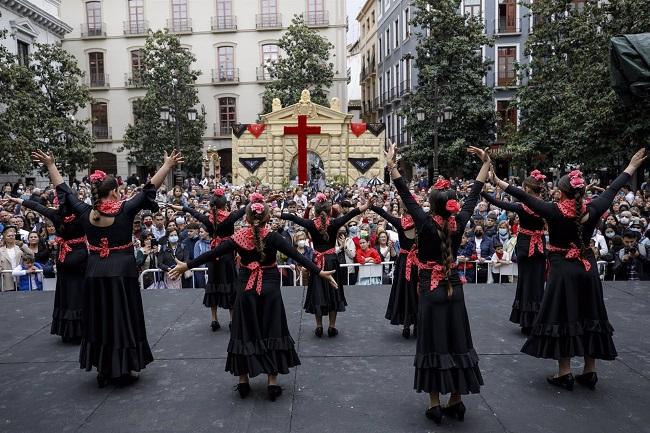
630	250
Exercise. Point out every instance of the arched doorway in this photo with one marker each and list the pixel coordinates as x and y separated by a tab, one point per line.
104	161
313	160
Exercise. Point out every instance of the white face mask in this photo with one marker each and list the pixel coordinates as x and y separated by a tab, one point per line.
624	220
301	243
426	208
173	239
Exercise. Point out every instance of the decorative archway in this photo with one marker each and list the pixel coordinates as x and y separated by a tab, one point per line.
104	161
313	160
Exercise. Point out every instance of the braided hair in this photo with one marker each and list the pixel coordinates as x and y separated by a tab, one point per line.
257	222
99	190
534	185
217	203
323	210
564	184
438	201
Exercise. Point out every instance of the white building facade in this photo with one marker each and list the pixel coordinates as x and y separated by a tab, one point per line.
231	39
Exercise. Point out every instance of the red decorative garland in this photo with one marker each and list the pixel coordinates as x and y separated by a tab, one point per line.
256	129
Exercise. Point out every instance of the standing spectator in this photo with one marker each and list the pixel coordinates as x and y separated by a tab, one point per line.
628	263
133	180
386	250
499	259
11	256
188	250
170	251
28	275
346	251
201	246
147	258
484	251
158	228
300	243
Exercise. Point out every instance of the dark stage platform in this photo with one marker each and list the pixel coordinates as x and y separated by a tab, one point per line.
360	381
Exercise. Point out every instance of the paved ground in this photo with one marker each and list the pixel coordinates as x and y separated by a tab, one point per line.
359	382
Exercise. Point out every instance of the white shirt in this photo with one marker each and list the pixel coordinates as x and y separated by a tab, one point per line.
11	253
601	243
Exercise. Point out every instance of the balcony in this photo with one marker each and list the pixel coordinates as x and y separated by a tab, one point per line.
102	132
268	21
223	130
375	104
507	27
133	80
263	74
180	25
93	31
364	74
317	18
135	28
393	94
225	76
97	81
405	88
224	23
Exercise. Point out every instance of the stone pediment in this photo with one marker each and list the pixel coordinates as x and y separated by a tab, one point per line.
316	114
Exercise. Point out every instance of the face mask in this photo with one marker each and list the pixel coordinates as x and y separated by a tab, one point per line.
609	234
354	231
624	220
173	239
148	223
503	232
478	234
302	243
635	229
363	234
426	208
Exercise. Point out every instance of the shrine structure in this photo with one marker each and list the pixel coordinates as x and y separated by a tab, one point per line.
292	143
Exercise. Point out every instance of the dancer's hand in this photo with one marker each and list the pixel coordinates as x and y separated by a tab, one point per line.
637	159
391	154
173	159
178	270
482	154
363	205
176	207
39	156
498	182
6	201
327	275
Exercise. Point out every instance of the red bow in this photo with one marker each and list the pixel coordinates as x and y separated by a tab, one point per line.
64	246
319	257
452	206
573	252
255	278
104	251
441	184
407	222
411	259
535	240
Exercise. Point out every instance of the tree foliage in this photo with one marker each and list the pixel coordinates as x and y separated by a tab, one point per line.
569	112
451	71
303	64
39	102
169	80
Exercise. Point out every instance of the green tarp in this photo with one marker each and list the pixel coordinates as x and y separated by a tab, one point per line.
630	67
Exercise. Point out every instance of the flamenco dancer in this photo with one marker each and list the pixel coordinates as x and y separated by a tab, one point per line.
403	301
445	360
260	342
220	291
323	299
70	267
531	256
114	336
572	320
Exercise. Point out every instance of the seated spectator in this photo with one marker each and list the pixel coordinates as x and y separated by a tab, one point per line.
499	258
628	263
27	274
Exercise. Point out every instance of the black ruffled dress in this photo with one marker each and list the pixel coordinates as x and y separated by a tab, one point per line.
221	288
322	298
70	269
445	360
114	333
531	262
572	320
260	342
402	306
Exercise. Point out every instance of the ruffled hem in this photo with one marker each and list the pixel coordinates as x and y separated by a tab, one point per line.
590	344
455	380
261	346
114	362
573	329
446	361
221	300
221	287
273	362
67	329
526	319
525	307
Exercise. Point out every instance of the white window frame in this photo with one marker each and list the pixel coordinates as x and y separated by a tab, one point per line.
517	45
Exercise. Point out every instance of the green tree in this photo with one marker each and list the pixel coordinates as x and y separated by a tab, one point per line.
451	71
303	64
169	80
569	112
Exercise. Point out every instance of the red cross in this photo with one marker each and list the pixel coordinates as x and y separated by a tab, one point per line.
302	131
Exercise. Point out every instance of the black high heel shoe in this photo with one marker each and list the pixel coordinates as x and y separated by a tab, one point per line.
215	325
244	389
274	391
456	410
565	381
406	332
435	414
102	380
332	332
319	332
588	379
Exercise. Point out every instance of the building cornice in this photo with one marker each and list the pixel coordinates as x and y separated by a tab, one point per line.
37	15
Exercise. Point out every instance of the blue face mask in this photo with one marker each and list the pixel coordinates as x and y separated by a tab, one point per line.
503	232
354	230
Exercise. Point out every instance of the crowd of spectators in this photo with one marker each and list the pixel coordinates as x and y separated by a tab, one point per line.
28	247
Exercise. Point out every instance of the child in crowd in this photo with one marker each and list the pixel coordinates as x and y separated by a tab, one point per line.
368	256
499	259
29	275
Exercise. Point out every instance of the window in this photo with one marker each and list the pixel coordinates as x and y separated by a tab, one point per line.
578	5
136	107
225	18
381	49
381	87
506	75
396	34
389	84
94	18
270	53
226	63
22	53
407	73
136	67
372	16
136	17
315	12
507	22
227	115
406	22
389	125
507	120
99	116
96	77
388	42
180	20
396	79
472	7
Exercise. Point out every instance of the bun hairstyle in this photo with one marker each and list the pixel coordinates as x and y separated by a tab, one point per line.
217	202
323	209
258	214
438	199
100	186
535	182
573	186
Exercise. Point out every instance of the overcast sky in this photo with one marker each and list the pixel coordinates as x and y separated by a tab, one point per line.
353	8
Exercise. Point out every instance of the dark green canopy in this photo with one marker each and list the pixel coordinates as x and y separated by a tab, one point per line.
630	67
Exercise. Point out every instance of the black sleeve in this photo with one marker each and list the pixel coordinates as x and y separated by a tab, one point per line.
513	207
223	248
392	219
540	207
76	205
236	215
296	219
282	245
414	209
145	199
48	213
600	204
203	219
468	205
342	220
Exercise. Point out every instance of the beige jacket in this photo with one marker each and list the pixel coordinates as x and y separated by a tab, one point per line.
5	265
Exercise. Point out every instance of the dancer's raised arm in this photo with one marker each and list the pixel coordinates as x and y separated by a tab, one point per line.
472	198
169	162
539	206
47	159
505	205
414	209
604	200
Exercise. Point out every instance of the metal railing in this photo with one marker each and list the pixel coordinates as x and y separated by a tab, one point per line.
179	25
263	74
224	23
504	26
268	21
133	80
2	281
94	30
225	75
98	80
135	28
101	132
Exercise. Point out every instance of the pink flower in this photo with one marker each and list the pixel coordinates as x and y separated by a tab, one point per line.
452	206
97	176
258	208
537	175
256	197
219	192
577	182
575	173
441	184
321	198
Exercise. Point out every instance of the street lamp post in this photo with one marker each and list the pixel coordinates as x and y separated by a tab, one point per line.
440	117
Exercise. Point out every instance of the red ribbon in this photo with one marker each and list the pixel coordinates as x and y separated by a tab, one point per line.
572	253
64	246
104	250
255	278
319	258
411	259
437	272
535	240
216	241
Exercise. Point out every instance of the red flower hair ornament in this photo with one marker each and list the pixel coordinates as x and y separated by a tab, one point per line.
97	176
321	198
256	197
219	192
576	180
537	175
258	208
452	206
441	184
